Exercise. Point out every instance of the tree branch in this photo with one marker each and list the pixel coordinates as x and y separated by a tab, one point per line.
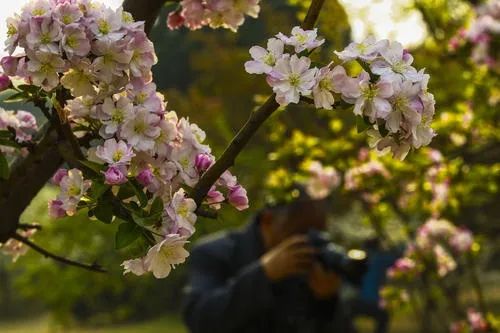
92	267
256	119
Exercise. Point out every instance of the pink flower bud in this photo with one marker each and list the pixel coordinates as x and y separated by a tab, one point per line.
203	162
175	20
238	197
145	177
9	65
115	176
58	176
4	82
56	209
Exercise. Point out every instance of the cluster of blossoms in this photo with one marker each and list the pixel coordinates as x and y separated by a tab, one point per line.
437	248
483	35
15	248
389	93
104	59
438	244
229	14
475	323
23	124
439	185
321	180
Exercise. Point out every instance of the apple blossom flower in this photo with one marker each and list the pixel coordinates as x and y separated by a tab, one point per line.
141	130
115	114
9	65
115	175
36	8
82	107
14	29
264	60
4	82
462	240
302	39
237	197
115	153
143	56
44	68
168	132
67	13
322	91
367	50
370	99
291	78
112	59
59	175
44	35
56	209
79	79
135	266
75	41
477	321
162	257
395	63
182	211
15	248
321	181
214	198
193	12
203	162
145	177
175	20
107	25
406	106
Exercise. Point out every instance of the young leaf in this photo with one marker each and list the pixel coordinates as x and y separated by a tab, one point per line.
103	212
362	124
9	143
17	97
98	189
126	234
156	206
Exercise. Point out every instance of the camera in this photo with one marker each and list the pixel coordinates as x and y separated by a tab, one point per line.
350	265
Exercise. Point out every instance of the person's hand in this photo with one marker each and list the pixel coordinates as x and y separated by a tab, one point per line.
293	256
324	284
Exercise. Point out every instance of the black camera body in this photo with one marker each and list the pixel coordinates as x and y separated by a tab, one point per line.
350	265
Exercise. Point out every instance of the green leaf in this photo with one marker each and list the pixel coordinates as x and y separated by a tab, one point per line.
381	128
126	234
98	189
147	220
139	192
17	97
94	166
9	143
5	134
29	88
156	206
4	167
362	124
126	191
103	212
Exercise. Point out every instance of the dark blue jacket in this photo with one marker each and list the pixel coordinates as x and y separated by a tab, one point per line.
228	291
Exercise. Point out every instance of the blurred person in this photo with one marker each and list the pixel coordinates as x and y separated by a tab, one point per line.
264	278
367	301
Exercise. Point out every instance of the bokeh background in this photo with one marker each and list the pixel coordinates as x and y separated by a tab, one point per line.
202	75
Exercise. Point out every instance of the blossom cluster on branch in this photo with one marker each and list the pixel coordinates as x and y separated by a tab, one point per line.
16	127
483	35
475	323
229	14
93	65
389	94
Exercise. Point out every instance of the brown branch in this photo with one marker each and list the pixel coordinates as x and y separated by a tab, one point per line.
92	267
256	119
28	226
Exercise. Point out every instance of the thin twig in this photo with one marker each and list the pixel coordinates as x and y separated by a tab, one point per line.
92	267
256	119
27	226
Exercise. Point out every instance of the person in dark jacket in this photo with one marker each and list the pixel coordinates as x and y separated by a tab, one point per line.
264	278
